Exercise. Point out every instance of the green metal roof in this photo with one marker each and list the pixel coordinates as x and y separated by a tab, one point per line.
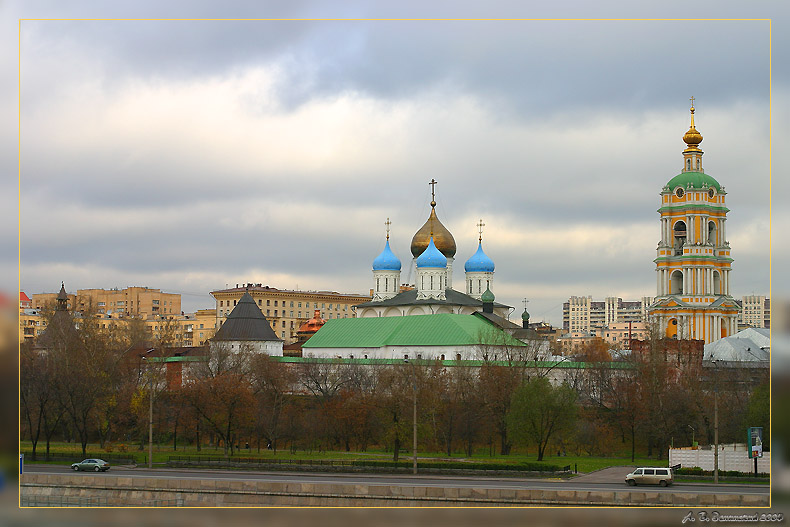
695	179
419	330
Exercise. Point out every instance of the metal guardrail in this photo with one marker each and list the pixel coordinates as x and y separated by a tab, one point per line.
61	501
33	500
62	456
258	461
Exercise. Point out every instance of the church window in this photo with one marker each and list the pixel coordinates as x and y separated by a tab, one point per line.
431	281
697	164
386	284
378	286
688	164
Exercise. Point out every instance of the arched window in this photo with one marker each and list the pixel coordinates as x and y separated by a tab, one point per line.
679	231
712	233
676	283
688	164
716	283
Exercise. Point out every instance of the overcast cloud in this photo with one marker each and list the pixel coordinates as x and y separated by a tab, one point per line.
187	155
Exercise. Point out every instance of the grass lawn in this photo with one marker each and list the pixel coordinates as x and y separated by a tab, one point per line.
163	452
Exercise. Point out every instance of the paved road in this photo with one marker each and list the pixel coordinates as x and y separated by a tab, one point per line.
603	481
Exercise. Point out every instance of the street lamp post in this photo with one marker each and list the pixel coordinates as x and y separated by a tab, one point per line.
715	422
150	414
414	416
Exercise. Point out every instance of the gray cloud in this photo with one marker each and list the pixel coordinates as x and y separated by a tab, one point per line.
318	131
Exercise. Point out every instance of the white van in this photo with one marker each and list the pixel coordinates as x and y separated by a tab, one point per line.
651	476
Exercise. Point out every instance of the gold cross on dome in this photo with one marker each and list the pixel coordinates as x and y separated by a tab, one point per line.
480	226
525	301
387	225
692	101
433	189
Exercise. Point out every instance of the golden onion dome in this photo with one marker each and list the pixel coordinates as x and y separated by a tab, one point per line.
442	238
692	138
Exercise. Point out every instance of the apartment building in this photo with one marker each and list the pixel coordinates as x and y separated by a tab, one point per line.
132	301
755	312
287	310
580	314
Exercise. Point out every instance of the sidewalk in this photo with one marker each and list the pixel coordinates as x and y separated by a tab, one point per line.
606	475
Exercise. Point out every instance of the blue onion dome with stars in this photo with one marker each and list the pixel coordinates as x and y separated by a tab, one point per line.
431	257
479	262
386	261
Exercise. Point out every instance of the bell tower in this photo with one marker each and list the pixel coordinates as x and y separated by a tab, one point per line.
693	261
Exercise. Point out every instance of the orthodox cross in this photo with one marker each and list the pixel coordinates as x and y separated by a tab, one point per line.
525	303
433	191
480	226
692	101
387	225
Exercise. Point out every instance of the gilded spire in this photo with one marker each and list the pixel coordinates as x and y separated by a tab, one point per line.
480	226
692	138
387	225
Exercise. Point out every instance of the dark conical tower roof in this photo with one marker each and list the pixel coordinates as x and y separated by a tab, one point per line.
61	331
246	322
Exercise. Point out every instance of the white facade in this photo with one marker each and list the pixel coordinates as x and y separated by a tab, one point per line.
431	282
269	347
386	284
477	283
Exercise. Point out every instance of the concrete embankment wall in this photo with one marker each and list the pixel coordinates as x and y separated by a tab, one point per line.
119	491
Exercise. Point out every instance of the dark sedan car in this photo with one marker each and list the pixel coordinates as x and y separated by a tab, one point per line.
97	465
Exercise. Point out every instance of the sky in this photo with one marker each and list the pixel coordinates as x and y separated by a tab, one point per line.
193	155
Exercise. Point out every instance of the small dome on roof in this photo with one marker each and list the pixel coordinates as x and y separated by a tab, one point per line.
431	257
488	297
479	262
386	261
525	315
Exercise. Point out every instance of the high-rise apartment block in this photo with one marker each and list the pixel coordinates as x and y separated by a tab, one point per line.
755	312
582	314
132	301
